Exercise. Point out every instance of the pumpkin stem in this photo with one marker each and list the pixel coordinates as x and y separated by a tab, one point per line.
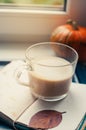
73	23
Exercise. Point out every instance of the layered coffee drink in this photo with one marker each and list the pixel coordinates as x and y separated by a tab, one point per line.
50	78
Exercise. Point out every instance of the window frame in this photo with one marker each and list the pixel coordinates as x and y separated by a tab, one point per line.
29	27
35	26
21	25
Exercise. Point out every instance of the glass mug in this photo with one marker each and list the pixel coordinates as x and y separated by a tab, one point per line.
50	67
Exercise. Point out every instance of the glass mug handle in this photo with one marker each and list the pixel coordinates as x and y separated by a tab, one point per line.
21	74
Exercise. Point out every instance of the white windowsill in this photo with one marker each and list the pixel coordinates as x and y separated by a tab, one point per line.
11	52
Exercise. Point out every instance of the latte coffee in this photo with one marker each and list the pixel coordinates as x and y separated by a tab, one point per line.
51	77
49	66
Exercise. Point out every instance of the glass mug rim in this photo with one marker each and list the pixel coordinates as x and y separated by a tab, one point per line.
48	43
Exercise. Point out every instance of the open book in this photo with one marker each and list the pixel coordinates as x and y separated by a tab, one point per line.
17	102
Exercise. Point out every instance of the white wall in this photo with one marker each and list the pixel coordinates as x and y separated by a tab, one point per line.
77	11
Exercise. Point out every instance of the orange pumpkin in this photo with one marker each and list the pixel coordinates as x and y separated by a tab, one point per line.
72	35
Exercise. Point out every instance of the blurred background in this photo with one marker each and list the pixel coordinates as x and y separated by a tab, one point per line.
42	2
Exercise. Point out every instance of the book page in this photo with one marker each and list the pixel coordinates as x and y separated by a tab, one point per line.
17	102
14	98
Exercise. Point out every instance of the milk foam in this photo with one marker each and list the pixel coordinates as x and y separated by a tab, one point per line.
52	68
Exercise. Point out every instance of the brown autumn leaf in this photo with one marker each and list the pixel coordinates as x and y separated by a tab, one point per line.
46	119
